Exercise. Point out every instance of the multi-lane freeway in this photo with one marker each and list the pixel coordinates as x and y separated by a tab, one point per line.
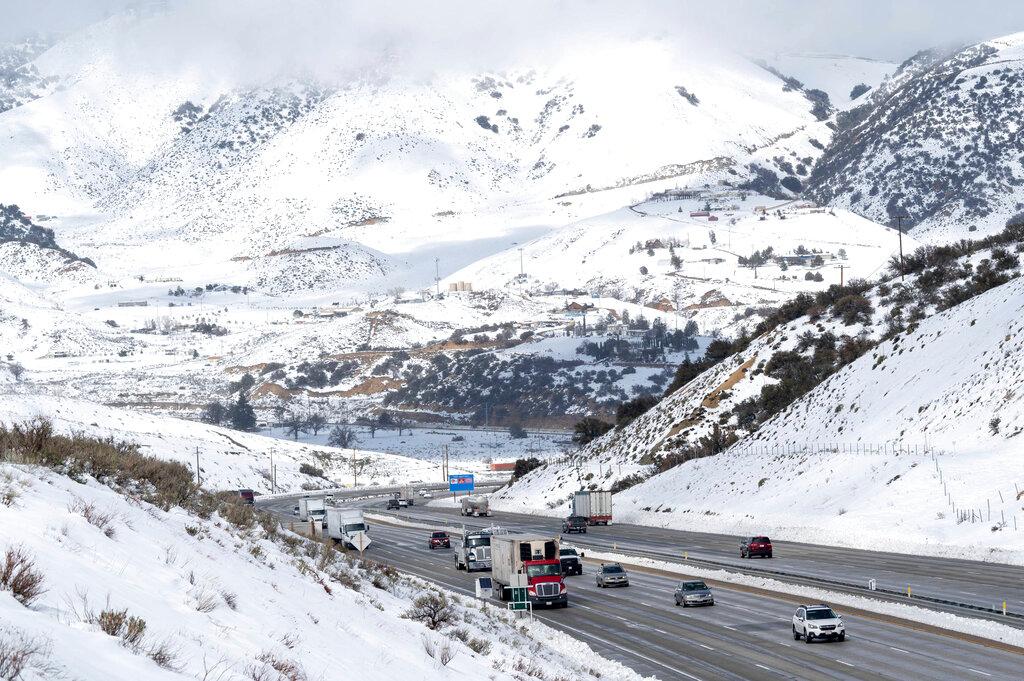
745	635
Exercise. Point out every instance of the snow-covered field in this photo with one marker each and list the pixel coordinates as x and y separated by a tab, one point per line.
207	598
228	459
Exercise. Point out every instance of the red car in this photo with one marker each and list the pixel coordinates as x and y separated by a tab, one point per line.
439	540
756	546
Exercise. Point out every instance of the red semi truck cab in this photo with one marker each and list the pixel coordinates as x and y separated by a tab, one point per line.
535	557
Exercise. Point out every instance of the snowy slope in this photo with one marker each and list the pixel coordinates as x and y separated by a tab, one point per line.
174	167
228	459
222	600
835	74
907	423
937	143
942	384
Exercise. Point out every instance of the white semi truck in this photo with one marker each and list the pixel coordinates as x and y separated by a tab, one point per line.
594	505
312	508
348	527
532	561
475	506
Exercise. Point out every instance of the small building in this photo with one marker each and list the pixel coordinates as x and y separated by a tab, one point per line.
457	286
699	213
578	308
712	218
133	303
505	467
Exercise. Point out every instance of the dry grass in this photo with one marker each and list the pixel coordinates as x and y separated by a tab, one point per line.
269	667
104	520
118	464
20	576
21	653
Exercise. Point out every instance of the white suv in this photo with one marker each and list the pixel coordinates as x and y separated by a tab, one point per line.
818	621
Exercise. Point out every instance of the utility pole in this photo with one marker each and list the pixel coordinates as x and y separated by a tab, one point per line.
521	272
273	475
437	275
198	480
899	226
840	276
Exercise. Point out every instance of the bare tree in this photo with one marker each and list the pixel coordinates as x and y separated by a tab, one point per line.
316	422
294	424
401	423
371	425
342	436
358	464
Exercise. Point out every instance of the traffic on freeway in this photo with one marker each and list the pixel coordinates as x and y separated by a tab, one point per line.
655	627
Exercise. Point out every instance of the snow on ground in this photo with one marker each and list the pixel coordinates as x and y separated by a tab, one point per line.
228	459
472	448
836	74
228	602
888	453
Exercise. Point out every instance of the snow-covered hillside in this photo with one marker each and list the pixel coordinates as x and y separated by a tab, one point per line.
936	143
836	74
952	383
129	591
847	400
228	459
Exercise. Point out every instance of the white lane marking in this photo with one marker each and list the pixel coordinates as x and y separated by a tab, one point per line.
977	671
606	642
846	663
785	644
899	650
704	646
726	626
763	667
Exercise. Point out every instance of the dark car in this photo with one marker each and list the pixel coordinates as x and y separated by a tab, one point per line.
440	540
574	523
570	560
393	503
693	593
756	546
247	496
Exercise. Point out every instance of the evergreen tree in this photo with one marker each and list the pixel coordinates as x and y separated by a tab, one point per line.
241	415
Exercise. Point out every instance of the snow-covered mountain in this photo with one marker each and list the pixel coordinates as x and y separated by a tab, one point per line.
846	395
938	142
174	168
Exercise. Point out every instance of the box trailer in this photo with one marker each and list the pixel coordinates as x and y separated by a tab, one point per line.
312	508
348	527
408	494
532	561
594	505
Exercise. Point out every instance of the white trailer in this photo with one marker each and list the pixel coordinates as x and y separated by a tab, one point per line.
348	527
594	505
532	561
408	495
311	508
475	506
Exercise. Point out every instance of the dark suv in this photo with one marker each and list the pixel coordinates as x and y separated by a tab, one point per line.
574	523
393	503
439	540
756	546
570	560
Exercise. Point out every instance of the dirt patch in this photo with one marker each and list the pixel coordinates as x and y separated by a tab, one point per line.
272	389
714	397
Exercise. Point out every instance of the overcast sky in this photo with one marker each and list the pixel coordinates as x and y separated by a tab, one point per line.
872	28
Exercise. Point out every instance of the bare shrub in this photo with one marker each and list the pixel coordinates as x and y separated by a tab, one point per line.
202	599
230	599
20	576
21	653
118	464
445	654
133	633
112	621
269	667
432	609
481	646
103	520
164	654
429	647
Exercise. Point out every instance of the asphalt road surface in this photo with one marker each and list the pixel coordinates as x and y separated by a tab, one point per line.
975	582
744	636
